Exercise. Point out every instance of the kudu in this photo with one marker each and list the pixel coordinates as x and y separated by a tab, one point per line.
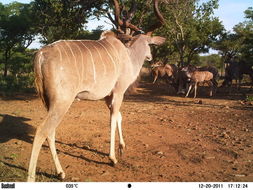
89	70
167	71
183	79
197	77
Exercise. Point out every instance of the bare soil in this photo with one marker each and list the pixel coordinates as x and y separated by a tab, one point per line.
169	138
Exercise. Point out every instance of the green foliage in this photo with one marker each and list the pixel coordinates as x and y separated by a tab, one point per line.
62	19
240	42
93	35
228	45
212	60
244	31
21	77
17	25
190	28
20	23
249	98
16	33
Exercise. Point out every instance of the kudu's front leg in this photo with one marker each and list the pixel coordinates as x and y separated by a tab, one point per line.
188	90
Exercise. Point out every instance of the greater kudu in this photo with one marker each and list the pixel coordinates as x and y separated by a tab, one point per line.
183	79
89	70
197	77
167	71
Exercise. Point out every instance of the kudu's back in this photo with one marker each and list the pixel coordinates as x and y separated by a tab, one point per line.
69	67
200	76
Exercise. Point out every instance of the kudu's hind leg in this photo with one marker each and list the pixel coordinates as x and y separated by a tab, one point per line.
122	144
195	90
211	84
214	86
155	78
37	143
114	102
51	142
47	130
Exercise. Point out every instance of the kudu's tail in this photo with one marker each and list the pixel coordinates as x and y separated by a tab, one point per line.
38	60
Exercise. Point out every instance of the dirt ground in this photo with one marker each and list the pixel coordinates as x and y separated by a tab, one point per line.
169	138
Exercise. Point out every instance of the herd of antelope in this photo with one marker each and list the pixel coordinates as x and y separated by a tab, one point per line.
187	78
101	69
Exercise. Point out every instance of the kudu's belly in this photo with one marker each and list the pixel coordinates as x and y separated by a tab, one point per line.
87	95
97	91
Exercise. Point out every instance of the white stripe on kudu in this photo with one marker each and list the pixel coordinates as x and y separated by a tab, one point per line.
100	58
114	49
80	63
92	60
77	70
65	51
58	49
114	65
40	59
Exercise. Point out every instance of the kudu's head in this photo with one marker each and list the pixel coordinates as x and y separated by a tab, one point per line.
157	64
188	70
141	44
156	40
131	35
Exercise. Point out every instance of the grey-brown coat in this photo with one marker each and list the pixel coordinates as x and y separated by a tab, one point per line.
89	70
199	76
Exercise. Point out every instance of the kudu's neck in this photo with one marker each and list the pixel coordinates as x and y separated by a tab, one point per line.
137	56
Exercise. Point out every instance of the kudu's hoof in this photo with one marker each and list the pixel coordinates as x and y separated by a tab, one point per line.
114	161
61	175
121	149
30	179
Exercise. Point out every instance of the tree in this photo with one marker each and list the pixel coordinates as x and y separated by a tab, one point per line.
63	19
228	45
190	27
244	31
16	32
239	43
212	60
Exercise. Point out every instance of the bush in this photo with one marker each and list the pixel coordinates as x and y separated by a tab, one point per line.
249	98
13	84
20	76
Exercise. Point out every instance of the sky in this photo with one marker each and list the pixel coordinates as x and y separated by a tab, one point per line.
230	12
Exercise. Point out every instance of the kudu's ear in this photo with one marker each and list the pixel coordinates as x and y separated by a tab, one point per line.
157	40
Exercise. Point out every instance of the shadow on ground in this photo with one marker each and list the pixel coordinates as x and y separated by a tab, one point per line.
12	127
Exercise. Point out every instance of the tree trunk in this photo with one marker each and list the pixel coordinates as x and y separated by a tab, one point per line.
6	60
5	64
181	58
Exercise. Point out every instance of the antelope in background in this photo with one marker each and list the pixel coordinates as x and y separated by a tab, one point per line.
167	71
235	70
197	77
184	79
90	70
